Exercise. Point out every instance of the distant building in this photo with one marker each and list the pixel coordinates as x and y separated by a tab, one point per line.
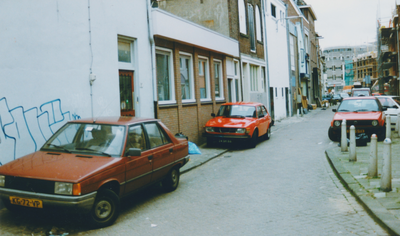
364	69
335	58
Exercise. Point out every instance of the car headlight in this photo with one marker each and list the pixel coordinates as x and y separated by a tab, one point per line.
2	181
209	129
375	123
63	188
241	131
337	123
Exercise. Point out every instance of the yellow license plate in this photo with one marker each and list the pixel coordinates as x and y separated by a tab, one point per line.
358	131
35	203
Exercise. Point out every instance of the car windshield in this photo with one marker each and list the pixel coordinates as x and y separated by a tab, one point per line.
358	105
93	139
237	111
344	95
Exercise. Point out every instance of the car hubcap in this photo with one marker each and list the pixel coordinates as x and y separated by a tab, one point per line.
174	177
103	209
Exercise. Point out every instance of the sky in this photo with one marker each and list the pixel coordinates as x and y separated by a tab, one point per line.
349	22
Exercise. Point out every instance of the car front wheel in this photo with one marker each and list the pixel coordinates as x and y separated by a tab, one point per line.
254	139
268	134
105	208
332	137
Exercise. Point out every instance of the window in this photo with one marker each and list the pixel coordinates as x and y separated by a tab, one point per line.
204	79
282	92
251	27
292	61
253	78
186	70
258	24
156	135
242	17
124	51
136	138
219	85
273	10
165	82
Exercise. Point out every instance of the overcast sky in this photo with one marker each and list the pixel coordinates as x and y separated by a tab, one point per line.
349	22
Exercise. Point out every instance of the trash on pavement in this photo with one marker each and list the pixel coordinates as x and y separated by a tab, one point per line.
193	149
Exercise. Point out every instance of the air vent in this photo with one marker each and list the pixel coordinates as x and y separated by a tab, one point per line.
53	153
83	156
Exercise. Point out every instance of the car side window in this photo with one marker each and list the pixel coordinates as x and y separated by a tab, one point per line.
264	110
156	135
260	112
136	138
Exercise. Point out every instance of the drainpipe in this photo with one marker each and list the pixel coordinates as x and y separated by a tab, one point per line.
152	54
289	59
398	56
266	58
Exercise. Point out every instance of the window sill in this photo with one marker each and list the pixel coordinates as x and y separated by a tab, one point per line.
188	101
171	102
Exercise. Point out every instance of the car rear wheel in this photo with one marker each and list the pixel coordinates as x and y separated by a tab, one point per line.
171	182
332	137
105	208
268	134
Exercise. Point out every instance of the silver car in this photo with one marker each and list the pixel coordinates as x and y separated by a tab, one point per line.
392	103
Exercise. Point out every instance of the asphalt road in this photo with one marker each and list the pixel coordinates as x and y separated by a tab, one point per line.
284	186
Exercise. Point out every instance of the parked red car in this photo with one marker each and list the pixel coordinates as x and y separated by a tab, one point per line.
365	113
88	165
245	121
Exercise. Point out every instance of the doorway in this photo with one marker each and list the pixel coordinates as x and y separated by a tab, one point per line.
127	93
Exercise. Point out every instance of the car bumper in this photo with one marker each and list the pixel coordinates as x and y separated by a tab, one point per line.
81	204
367	130
224	136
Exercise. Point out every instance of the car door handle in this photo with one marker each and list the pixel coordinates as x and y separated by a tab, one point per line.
171	150
150	157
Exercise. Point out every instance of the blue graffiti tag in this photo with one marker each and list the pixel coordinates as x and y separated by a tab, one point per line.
23	131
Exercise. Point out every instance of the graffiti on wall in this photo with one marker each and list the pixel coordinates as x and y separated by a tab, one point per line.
23	131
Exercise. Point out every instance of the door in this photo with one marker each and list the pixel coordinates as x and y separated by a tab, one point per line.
126	92
162	148
263	122
138	169
230	95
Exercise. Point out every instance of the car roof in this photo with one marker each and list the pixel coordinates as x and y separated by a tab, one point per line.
244	103
386	96
114	120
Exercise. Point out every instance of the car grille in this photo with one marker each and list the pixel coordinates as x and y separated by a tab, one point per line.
30	185
224	130
358	122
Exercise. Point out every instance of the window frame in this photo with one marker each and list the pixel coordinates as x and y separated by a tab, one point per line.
191	76
127	65
169	52
206	74
259	35
273	10
242	17
221	80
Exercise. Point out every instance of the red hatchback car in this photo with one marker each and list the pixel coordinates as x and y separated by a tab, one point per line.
88	165
246	121
365	113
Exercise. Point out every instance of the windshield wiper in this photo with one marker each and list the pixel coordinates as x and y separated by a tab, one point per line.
92	150
343	110
237	116
59	147
361	110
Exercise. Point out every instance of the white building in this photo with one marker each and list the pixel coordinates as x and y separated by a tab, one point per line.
278	58
50	50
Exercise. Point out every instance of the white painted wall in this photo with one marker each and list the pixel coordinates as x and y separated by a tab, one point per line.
278	59
46	61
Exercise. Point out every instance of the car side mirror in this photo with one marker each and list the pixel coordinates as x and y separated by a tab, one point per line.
213	114
384	108
134	152
334	110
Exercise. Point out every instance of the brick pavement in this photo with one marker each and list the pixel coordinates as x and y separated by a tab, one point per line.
384	207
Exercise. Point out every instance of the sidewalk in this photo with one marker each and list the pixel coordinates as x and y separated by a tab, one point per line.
384	207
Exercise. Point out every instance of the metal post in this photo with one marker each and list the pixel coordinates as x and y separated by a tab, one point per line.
373	159
388	127
352	151
386	177
343	140
397	128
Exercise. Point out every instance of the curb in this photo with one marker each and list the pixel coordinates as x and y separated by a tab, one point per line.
202	163
379	213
